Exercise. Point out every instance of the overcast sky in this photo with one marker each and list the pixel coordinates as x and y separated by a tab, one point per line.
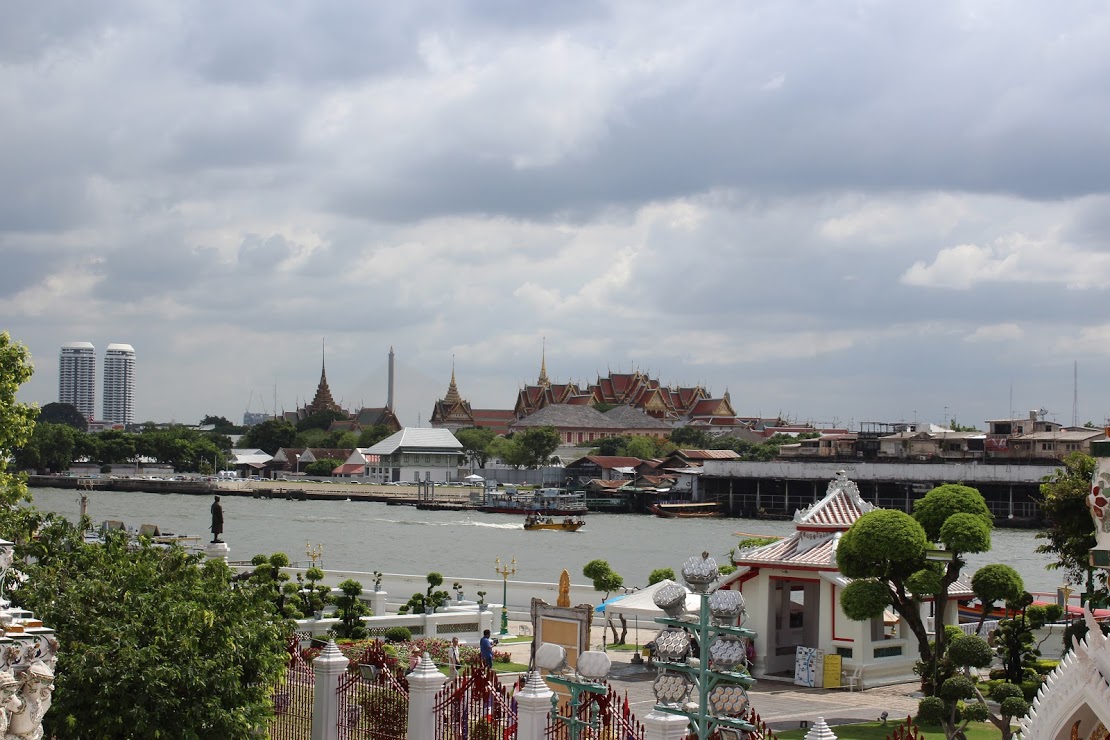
836	211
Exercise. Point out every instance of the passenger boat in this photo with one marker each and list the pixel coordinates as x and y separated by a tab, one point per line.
549	501
686	510
567	524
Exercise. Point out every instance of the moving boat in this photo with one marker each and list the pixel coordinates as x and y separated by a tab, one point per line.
686	510
568	524
549	501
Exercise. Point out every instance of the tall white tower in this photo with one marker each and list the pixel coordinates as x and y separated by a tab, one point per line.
119	384
389	396
77	377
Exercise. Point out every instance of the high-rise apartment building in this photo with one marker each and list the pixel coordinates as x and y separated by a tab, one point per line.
119	384
77	377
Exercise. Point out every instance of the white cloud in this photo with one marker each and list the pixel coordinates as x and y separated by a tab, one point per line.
996	333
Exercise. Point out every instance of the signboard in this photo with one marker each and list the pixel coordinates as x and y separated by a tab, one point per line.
833	669
808	664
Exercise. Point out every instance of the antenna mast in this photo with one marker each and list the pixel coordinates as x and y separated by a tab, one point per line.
1075	394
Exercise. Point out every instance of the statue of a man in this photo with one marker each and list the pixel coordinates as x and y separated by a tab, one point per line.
217	520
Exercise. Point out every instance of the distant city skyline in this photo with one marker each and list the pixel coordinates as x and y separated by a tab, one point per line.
809	206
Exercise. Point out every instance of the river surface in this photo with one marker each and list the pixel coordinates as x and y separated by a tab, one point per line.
402	539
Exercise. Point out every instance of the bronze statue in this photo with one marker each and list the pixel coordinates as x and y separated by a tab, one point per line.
217	520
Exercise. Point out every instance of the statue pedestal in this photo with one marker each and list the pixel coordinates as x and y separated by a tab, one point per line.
214	550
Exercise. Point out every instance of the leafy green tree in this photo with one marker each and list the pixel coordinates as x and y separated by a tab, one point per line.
1070	533
269	436
115	447
273	583
607	580
537	445
351	609
476	442
221	424
322	419
691	438
507	451
993	583
372	435
884	552
340	440
660	574
152	638
322	467
50	448
17	420
63	413
967	652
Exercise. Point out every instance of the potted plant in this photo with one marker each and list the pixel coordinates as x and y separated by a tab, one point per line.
481	601
458	591
377	581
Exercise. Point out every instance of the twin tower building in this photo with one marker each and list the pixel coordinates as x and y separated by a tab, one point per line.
77	381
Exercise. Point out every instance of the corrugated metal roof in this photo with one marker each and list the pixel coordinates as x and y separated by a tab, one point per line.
416	438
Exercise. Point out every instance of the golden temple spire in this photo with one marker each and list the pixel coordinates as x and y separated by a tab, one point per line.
452	390
543	379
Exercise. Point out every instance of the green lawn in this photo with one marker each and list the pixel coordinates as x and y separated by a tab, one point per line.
879	731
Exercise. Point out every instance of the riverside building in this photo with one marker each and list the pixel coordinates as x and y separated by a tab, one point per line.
77	377
119	384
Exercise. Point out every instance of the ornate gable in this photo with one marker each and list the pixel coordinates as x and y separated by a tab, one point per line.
838	510
1074	702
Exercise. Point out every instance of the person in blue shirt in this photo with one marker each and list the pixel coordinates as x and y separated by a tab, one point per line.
485	649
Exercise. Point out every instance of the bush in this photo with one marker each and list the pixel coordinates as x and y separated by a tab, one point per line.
398	634
930	711
1029	689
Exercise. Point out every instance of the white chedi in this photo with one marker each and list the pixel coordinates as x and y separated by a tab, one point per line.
820	731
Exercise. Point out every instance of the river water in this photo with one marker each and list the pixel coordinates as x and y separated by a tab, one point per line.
402	539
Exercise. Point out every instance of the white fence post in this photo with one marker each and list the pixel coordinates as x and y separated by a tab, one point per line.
663	726
424	683
328	667
377	603
533	708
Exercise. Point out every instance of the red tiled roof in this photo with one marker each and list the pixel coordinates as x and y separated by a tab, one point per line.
348	469
812	549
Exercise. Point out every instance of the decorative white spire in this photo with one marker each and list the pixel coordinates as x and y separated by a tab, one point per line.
820	731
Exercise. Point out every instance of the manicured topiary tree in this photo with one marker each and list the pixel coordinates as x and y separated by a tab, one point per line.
968	652
885	552
606	580
993	583
660	574
351	609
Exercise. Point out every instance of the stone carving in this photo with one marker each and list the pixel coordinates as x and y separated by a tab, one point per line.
10	702
1098	500
36	690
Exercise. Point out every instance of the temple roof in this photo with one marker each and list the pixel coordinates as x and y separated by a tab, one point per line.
838	510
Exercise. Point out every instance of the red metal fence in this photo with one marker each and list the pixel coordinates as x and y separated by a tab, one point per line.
293	698
608	715
374	708
475	706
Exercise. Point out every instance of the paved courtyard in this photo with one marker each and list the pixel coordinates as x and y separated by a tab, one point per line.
782	705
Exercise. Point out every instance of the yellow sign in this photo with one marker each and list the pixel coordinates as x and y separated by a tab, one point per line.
833	667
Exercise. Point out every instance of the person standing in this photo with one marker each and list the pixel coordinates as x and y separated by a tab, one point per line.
485	649
454	657
217	520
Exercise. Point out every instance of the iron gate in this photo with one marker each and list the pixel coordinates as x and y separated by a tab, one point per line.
293	697
609	714
475	706
373	707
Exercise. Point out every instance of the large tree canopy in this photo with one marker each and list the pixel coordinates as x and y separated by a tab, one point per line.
1069	532
154	642
885	552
